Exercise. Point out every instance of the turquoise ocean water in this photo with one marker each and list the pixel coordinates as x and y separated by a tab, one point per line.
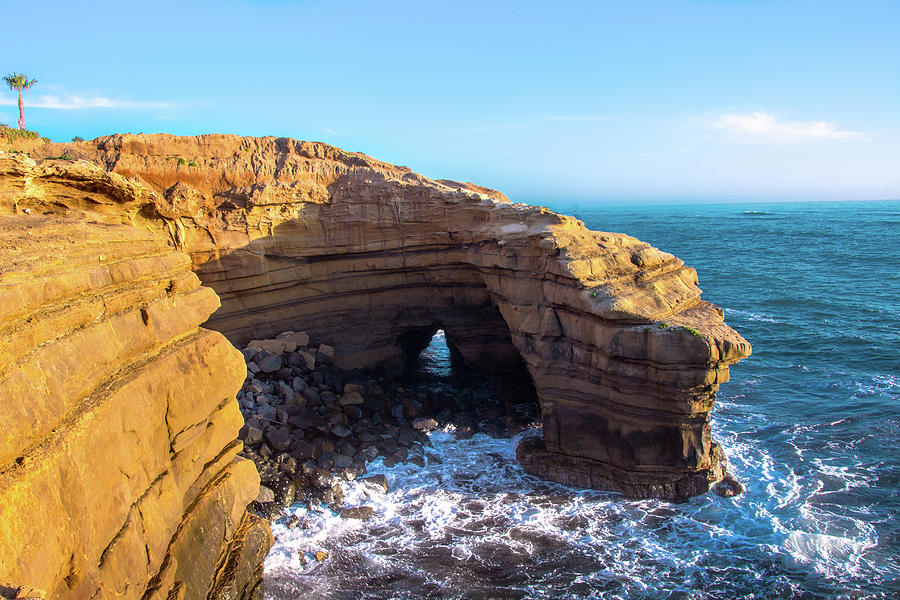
810	423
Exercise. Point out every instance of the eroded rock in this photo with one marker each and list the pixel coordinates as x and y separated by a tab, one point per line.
610	333
118	451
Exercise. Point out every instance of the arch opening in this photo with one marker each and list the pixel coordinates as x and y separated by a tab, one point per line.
472	397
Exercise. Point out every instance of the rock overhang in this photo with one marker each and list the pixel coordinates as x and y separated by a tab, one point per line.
300	235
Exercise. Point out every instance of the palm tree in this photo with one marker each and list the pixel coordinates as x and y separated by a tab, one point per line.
19	82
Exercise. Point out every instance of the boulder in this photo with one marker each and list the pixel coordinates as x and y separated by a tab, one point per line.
379	481
351	398
425	424
270	363
358	512
278	438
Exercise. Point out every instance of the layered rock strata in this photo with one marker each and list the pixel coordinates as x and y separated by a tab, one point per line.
623	354
119	474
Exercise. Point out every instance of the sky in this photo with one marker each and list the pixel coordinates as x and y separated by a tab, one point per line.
549	102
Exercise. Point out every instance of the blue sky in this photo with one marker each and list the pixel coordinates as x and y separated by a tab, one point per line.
549	102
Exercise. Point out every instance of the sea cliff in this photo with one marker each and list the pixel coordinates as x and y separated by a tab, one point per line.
610	333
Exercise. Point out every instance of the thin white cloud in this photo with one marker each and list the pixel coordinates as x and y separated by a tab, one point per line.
80	102
765	127
501	127
576	118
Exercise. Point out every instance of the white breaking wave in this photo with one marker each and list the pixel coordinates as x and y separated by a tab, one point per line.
475	525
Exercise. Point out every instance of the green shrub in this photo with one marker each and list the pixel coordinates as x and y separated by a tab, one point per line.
12	134
77	138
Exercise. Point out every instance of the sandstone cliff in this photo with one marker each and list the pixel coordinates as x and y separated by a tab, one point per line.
624	356
118	469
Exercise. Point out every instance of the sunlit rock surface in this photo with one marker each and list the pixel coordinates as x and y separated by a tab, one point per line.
119	475
370	258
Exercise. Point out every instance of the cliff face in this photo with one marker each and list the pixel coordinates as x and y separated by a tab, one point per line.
118	420
624	356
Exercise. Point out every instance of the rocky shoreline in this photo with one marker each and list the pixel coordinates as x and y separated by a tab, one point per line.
309	425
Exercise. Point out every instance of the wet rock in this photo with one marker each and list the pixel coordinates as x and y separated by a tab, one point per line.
358	512
368	437
433	459
492	429
267	510
289	465
728	487
265	495
424	424
333	496
368	454
406	436
322	478
326	461
416	460
292	522
464	432
348	474
389	446
376	480
303	450
323	444
284	492
342	461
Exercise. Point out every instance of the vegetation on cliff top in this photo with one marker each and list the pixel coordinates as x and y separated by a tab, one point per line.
19	82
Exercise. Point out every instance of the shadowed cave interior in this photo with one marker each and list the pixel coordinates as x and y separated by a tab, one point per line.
500	401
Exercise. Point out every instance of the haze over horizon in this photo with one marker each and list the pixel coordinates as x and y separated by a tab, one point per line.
702	100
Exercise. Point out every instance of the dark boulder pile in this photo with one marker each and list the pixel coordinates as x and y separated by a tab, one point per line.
309	425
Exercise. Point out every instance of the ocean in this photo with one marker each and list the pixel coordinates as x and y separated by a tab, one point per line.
810	423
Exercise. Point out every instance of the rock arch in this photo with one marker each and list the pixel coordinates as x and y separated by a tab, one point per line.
624	355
